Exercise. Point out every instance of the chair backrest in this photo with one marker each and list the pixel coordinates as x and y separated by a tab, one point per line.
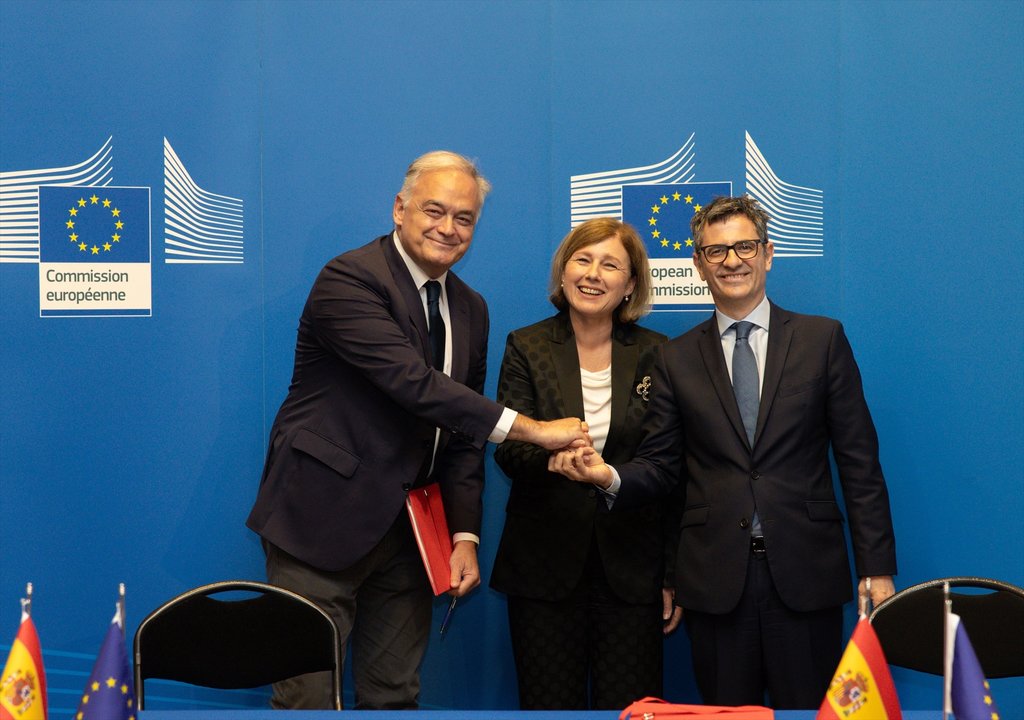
909	625
236	643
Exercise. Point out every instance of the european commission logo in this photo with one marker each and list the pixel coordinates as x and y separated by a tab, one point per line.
94	251
659	200
75	215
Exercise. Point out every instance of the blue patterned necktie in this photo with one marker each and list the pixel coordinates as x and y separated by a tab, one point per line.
745	383
435	324
747	388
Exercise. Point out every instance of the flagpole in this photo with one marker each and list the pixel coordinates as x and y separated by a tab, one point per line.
947	609
26	602
120	607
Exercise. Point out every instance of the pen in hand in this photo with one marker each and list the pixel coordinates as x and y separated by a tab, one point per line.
448	616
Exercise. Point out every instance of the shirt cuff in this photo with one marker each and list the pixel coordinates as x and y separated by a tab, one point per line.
612	492
465	536
504	426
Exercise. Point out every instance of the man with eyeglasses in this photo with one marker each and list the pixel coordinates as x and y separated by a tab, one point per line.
744	408
386	396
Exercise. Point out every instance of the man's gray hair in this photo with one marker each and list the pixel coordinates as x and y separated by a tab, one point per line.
442	160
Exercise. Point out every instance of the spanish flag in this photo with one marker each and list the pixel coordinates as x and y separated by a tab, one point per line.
862	687
23	684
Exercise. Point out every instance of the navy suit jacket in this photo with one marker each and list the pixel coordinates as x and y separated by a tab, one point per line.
357	428
551	521
811	399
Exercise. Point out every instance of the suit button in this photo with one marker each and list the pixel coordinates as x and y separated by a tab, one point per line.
755	475
406	487
744	523
592	493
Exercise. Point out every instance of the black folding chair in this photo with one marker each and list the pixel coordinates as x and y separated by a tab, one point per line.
236	643
909	625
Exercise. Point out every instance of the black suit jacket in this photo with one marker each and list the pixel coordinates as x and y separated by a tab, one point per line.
550	521
356	430
811	398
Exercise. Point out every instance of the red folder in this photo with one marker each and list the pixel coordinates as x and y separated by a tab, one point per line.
426	513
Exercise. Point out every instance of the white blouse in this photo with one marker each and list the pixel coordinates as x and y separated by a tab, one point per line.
597	404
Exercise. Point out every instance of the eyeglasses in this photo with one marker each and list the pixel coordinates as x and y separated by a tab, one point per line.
438	212
744	249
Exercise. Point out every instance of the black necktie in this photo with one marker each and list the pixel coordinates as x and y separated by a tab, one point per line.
435	323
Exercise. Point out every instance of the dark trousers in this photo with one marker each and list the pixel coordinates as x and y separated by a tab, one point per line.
382	604
587	651
763	646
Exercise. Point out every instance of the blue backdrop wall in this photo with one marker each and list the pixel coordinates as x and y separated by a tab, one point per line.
274	135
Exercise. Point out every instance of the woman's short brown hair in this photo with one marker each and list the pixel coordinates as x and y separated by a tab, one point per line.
592	232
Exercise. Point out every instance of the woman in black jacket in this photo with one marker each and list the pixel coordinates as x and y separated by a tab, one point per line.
588	596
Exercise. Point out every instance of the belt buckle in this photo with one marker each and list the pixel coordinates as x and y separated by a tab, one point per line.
757	544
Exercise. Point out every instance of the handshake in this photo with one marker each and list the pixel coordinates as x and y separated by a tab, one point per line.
573	453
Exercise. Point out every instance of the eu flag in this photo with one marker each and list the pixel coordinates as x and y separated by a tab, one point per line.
969	691
108	694
94	224
661	213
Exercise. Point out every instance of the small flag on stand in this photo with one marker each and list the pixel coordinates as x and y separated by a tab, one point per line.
109	694
23	683
862	688
967	694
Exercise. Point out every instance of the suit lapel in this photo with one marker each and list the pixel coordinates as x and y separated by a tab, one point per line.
625	355
458	312
780	335
410	293
710	345
567	369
